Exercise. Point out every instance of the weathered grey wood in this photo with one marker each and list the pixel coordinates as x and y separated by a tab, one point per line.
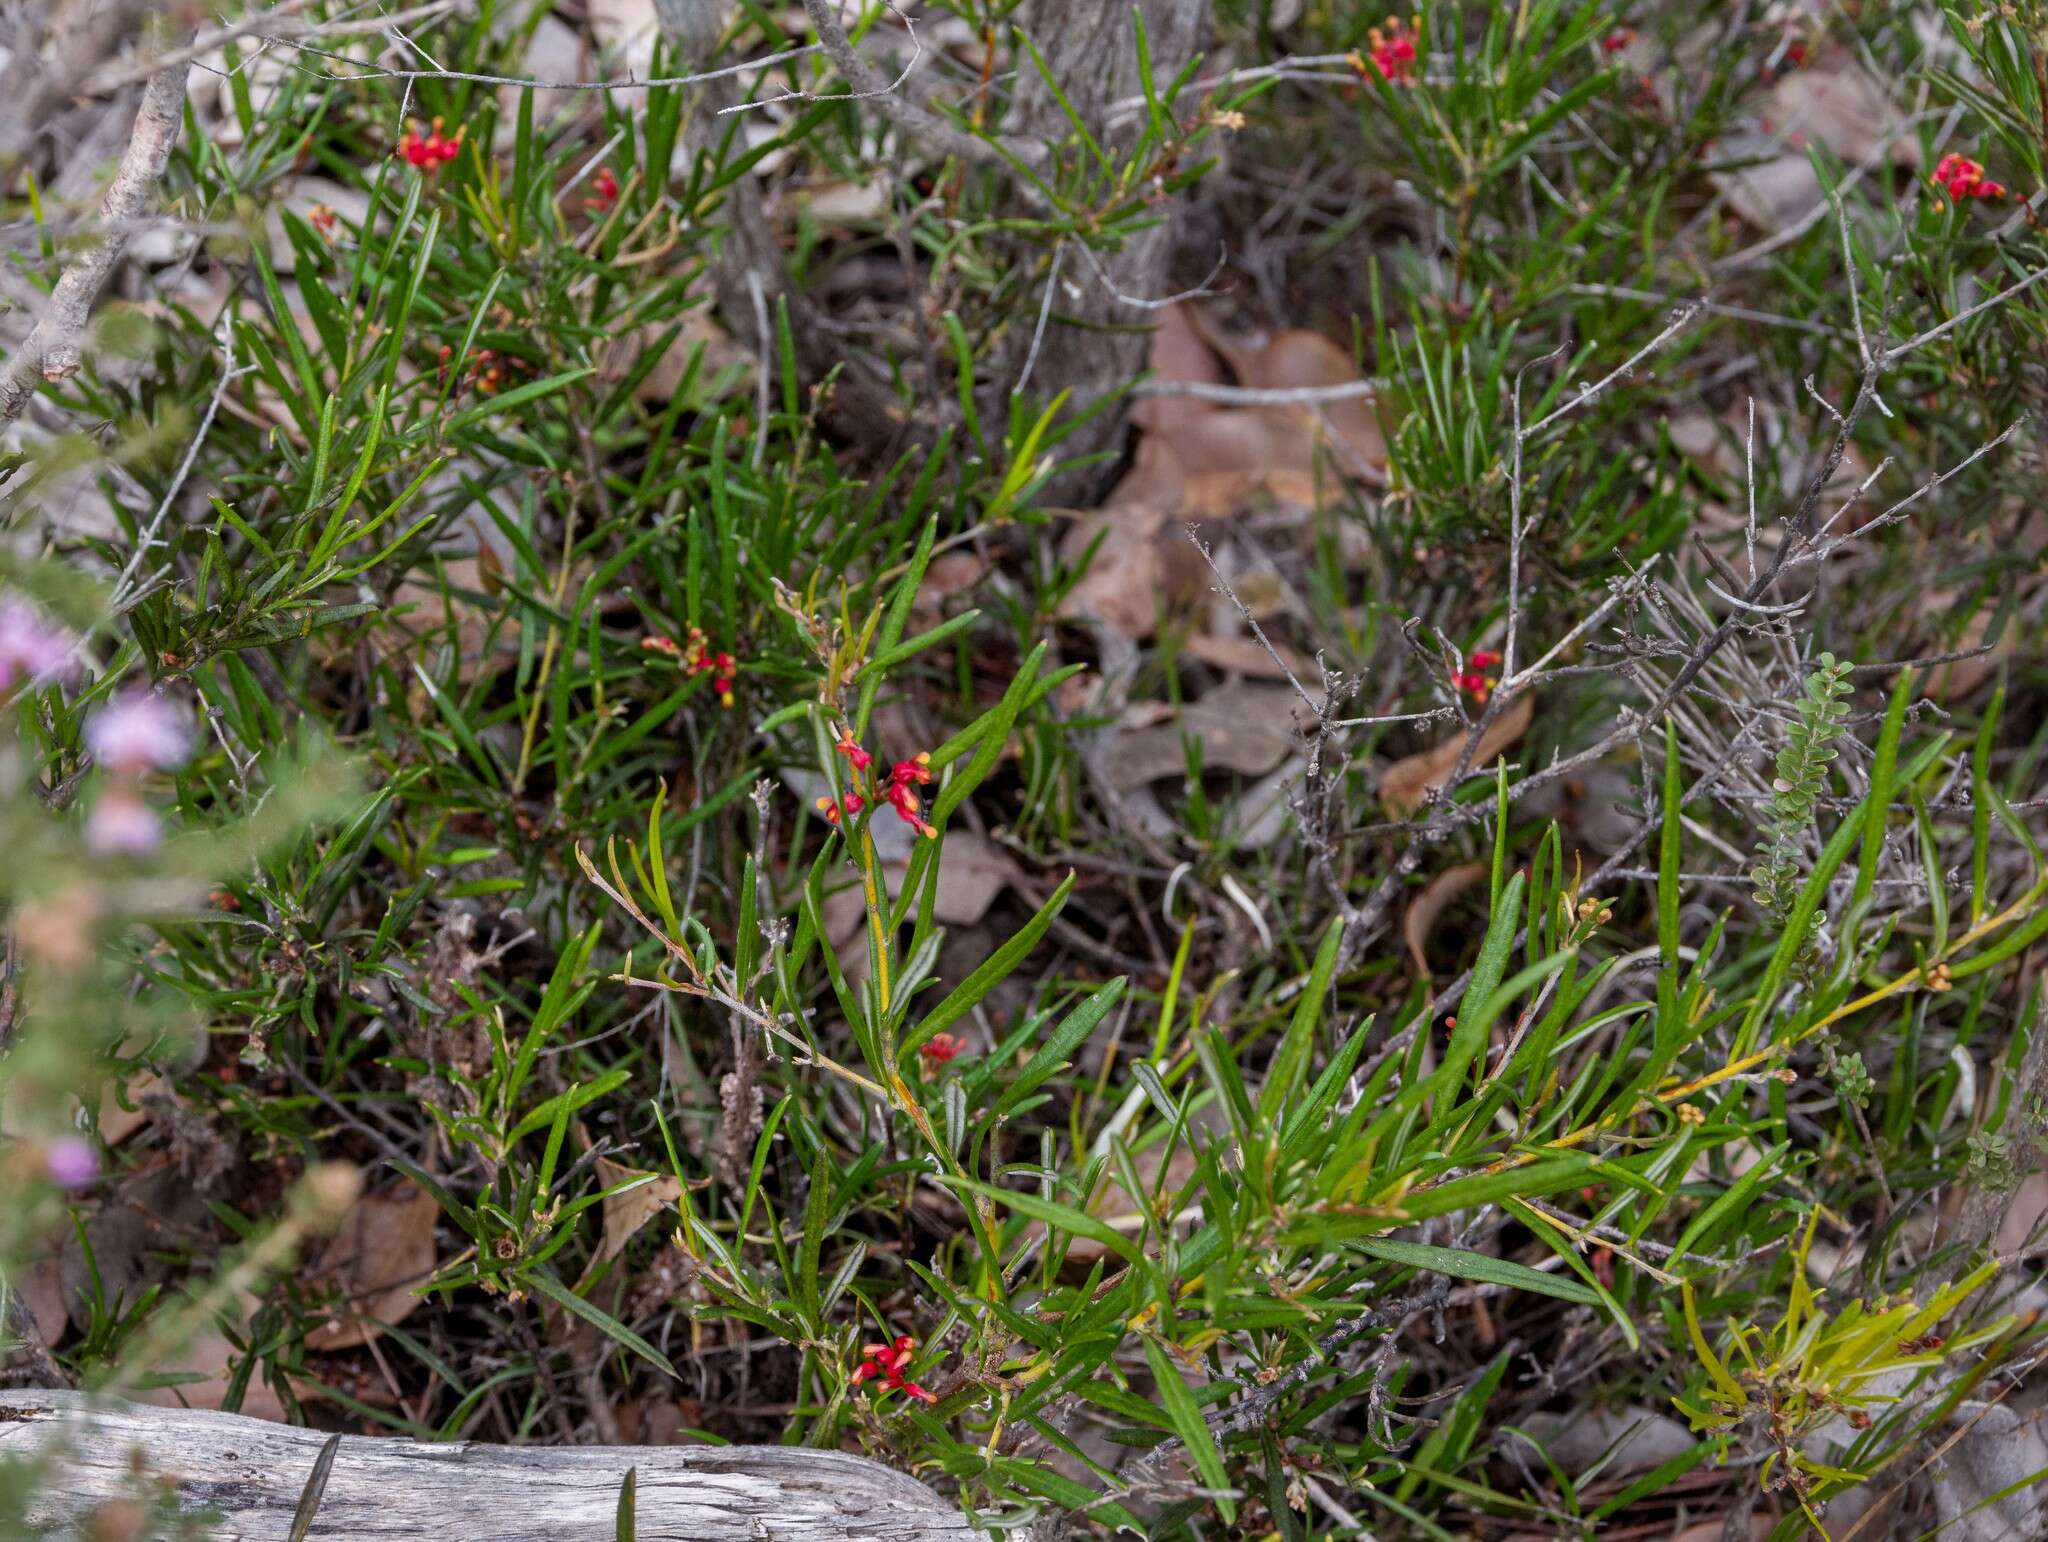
251	1472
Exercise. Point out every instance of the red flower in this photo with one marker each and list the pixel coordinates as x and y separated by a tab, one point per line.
696	659
848	746
886	1363
895	790
1474	681
432	151
1618	39
940	1048
321	218
918	770
853	803
604	190
909	807
1394	51
1960	177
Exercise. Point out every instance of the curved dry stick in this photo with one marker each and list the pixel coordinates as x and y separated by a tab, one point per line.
51	351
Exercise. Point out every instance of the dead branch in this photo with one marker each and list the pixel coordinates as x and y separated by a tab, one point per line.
252	1473
51	351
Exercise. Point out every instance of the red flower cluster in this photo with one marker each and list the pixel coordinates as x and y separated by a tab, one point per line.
1618	39
696	658
1475	682
896	789
322	219
431	152
1961	177
940	1048
886	1363
604	191
1394	51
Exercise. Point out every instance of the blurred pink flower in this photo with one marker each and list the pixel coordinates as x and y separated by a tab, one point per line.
122	825
30	647
71	1161
136	731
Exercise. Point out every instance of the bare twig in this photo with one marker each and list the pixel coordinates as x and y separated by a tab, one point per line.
124	584
51	351
898	109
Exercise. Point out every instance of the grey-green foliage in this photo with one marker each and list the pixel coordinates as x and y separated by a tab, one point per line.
1802	776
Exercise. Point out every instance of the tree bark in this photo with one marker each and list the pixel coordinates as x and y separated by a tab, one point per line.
251	1474
1094	342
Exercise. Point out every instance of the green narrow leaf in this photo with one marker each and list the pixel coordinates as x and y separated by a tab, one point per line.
1189	1424
990	973
1462	1265
1881	772
625	1528
1290	1062
1669	890
545	1282
315	1489
1072	1032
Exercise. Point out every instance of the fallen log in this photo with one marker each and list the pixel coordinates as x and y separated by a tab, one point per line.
250	1475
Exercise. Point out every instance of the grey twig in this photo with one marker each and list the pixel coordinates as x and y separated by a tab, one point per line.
51	351
148	538
899	109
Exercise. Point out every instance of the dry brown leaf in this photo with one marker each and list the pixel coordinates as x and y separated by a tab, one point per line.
1428	907
2020	1228
1834	102
1405	783
627	1212
1249	656
1125	580
660	384
948	574
973	872
1115	1205
1143	560
1244	727
384	1250
951	573
1957	679
842	203
1293	359
42	1291
1177	354
211	1359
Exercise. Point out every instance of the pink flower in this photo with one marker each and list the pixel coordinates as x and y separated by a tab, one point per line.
122	825
30	647
71	1162
887	1363
136	731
